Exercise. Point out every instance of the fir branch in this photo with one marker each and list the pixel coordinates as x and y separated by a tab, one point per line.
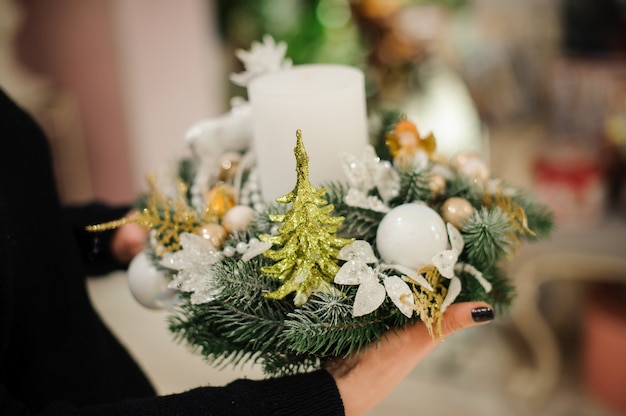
263	224
287	364
186	173
488	237
501	294
540	218
336	192
241	320
464	187
324	326
414	186
192	324
359	223
242	325
242	283
187	170
385	121
224	334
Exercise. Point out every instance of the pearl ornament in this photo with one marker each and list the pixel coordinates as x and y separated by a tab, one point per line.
241	247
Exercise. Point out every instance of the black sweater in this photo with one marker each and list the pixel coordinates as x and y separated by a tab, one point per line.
56	355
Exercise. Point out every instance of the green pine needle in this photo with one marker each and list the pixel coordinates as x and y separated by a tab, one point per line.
414	186
540	218
359	223
385	121
500	296
464	187
488	237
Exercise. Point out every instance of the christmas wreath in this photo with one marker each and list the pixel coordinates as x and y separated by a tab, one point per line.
321	272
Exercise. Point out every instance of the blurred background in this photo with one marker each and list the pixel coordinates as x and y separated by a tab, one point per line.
538	87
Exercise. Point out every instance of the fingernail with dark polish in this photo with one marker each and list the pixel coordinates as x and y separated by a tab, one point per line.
483	314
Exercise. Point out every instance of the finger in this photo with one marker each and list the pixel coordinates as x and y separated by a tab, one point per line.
457	316
466	314
128	241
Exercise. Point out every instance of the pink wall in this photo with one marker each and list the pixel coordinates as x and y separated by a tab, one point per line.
171	69
141	72
71	42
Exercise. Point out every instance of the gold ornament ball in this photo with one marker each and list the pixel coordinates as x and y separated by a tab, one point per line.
437	184
238	218
215	233
220	199
455	210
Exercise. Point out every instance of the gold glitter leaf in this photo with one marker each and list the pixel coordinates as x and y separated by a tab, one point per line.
167	217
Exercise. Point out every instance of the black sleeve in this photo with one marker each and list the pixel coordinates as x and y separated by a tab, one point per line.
95	247
311	394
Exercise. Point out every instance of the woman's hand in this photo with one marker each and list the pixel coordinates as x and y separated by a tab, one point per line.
365	380
128	241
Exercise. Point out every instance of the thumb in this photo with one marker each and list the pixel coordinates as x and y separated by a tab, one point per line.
464	315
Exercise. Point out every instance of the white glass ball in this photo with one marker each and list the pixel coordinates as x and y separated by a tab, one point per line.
410	235
148	285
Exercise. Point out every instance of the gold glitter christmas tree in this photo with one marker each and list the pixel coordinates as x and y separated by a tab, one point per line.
306	257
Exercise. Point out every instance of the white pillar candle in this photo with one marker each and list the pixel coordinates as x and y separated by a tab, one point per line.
326	102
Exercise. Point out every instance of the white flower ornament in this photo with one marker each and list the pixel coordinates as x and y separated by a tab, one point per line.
368	173
193	264
262	58
255	248
447	264
371	293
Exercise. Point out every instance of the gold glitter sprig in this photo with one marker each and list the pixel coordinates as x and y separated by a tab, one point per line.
428	303
167	217
112	225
